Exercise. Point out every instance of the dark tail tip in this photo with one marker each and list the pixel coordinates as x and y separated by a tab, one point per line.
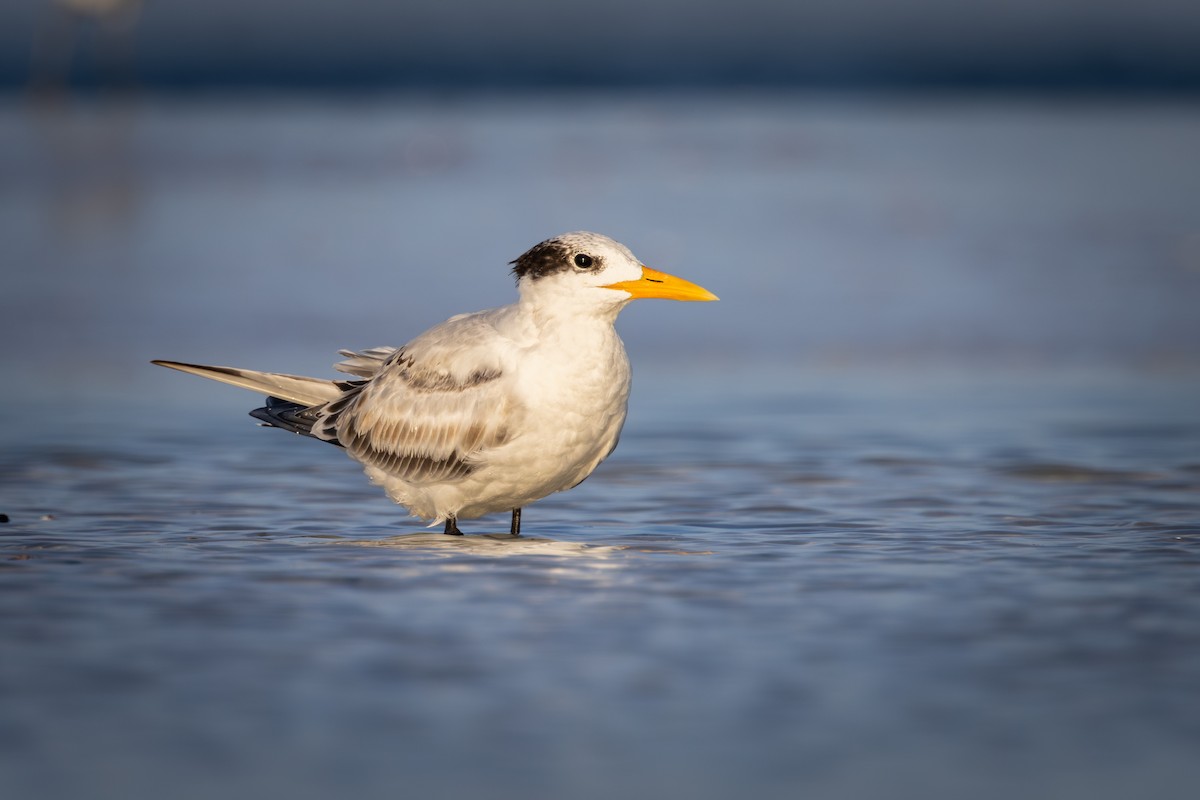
287	415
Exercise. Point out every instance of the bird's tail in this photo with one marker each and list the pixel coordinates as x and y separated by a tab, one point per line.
296	389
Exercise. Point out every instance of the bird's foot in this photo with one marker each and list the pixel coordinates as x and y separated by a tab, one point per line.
452	527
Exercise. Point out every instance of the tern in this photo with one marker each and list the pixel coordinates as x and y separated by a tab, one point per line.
488	411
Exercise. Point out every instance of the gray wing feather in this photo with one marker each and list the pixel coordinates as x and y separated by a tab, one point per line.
430	410
364	363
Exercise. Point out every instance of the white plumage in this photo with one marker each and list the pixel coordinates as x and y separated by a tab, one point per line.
487	411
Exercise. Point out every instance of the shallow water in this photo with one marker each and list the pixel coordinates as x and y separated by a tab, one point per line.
820	564
831	584
835	229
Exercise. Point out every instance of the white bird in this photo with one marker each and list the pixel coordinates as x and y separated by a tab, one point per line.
488	411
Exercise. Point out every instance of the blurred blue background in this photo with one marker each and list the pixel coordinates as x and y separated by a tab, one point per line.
912	508
861	182
368	43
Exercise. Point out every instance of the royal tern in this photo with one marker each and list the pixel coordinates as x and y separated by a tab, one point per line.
488	411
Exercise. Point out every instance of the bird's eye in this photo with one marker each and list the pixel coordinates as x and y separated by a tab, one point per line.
583	261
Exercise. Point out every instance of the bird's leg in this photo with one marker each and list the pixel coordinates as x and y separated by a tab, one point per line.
452	527
515	530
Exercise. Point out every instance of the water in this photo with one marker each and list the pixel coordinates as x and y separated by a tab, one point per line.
834	585
913	512
835	230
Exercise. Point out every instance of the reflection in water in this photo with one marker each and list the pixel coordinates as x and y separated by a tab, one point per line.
93	188
489	545
502	544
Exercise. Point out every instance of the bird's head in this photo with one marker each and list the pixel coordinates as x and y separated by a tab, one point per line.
592	270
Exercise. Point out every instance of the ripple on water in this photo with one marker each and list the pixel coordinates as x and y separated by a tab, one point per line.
1074	473
738	608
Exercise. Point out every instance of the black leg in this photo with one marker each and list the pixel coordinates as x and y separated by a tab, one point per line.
515	530
452	527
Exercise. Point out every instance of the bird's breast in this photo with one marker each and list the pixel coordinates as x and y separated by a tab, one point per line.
574	394
579	375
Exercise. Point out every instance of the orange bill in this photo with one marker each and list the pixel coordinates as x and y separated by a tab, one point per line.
659	284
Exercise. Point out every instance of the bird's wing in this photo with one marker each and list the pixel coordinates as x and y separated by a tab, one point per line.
430	410
364	363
